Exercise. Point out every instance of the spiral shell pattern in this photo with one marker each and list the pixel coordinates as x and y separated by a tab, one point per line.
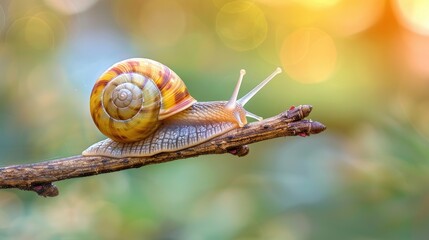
131	97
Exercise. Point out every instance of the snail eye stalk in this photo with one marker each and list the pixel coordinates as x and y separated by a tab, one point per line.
231	104
242	101
233	100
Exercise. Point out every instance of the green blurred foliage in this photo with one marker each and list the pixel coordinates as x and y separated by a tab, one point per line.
361	64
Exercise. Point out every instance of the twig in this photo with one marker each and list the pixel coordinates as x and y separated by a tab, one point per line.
39	177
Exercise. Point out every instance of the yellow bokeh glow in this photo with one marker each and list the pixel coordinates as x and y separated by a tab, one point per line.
31	34
309	55
241	25
414	15
318	3
39	34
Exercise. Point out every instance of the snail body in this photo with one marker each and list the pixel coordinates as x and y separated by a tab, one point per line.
145	109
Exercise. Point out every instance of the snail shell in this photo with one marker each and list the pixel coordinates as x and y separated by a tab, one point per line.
130	99
145	109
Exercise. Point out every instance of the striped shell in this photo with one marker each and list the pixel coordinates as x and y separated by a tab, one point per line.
131	97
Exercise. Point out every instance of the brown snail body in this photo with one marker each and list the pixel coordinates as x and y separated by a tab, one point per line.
164	119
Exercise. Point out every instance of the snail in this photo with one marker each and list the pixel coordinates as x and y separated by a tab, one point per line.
144	108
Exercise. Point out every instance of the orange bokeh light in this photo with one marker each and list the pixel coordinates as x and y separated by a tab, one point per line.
354	16
309	55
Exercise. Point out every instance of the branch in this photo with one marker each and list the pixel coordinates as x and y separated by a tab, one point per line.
39	177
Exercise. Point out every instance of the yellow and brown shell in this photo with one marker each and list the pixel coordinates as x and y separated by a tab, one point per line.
130	99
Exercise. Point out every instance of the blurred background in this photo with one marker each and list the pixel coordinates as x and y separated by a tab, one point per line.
362	64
